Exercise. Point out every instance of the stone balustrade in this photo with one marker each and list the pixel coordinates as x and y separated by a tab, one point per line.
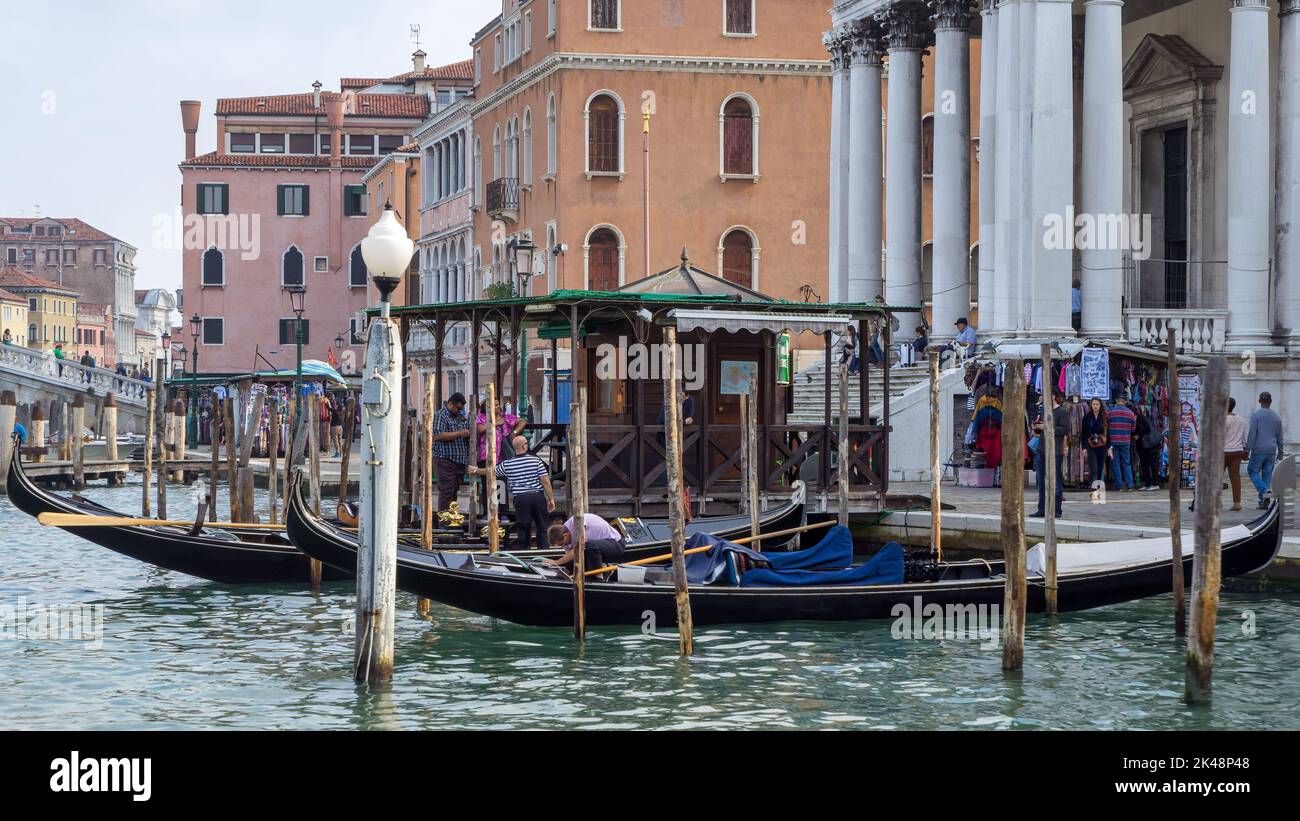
100	381
1196	331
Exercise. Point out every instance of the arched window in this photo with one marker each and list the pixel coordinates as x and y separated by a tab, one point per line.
550	135
927	271
356	269
550	258
291	268
927	145
604	135
528	147
214	268
496	153
738	258
31	333
478	170
739	138
512	148
602	260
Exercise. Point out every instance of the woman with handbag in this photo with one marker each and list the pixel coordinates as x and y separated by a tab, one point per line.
1095	439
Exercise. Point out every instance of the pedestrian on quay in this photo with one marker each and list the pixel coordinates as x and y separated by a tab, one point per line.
337	409
1076	305
1264	444
1095	439
1120	422
1061	427
529	481
451	435
1234	452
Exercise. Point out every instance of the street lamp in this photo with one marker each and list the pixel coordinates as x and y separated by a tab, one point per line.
191	417
387	252
298	302
522	251
161	374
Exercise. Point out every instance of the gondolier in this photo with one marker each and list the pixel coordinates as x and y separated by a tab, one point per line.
604	544
451	433
530	485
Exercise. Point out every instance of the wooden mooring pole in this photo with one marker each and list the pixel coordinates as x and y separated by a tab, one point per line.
749	446
493	511
232	442
577	436
78	424
676	515
272	457
842	434
349	430
160	427
216	432
110	428
1206	576
39	424
1048	446
427	512
936	471
1175	465
1013	515
150	398
8	415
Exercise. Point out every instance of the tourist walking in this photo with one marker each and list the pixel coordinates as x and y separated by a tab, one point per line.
1095	439
1120	422
1234	450
1061	426
337	409
1264	445
451	435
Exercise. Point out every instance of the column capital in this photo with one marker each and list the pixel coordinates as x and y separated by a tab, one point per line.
1249	4
1286	7
988	8
906	26
865	43
951	14
836	42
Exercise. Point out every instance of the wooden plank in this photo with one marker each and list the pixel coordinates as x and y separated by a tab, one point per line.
1013	516
1206	569
676	515
1175	487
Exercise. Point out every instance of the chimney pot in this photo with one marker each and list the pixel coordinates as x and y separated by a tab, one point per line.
417	59
190	124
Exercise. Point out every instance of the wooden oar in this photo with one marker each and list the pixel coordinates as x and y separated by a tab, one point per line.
665	557
82	520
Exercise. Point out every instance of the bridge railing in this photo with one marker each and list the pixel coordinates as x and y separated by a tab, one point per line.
73	374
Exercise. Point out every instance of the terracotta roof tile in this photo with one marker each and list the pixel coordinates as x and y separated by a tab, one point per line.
462	70
212	159
73	230
363	105
10	296
15	279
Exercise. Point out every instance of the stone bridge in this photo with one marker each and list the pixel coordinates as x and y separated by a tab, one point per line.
37	377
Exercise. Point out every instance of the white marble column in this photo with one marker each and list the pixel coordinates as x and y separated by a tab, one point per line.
866	281
1102	277
1008	182
951	212
1051	176
987	162
1287	205
838	251
1249	234
907	34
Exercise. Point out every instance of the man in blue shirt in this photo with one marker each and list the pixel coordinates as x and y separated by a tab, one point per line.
1264	444
1076	306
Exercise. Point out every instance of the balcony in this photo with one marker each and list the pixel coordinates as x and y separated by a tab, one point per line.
1190	294
502	197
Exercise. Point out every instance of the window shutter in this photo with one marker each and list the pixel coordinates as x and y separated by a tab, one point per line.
306	209
279	200
225	198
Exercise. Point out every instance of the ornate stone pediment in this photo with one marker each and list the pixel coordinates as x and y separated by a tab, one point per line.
1166	61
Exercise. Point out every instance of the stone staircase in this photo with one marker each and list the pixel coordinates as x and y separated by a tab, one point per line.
810	390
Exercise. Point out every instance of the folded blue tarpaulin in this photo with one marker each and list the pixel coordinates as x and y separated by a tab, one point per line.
833	552
886	567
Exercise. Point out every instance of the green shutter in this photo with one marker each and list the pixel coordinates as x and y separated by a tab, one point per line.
279	200
225	198
306	205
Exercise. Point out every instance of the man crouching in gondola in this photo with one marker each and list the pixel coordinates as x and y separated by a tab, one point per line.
604	544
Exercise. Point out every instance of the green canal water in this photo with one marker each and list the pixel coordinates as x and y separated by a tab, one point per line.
179	653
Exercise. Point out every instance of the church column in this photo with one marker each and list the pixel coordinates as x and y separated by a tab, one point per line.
951	212
1249	232
1287	206
864	225
907	34
1102	277
987	161
1051	177
838	285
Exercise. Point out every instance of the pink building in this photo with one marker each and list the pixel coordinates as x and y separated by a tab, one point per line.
281	204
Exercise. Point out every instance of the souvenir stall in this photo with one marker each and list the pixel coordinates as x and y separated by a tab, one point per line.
1084	370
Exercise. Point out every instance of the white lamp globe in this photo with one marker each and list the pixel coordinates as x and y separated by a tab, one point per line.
387	252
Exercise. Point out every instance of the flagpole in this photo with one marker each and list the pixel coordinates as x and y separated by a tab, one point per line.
645	151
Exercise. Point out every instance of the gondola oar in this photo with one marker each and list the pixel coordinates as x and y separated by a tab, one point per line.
83	520
665	557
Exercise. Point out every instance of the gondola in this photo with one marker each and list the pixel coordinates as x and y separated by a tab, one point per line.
519	591
643	537
249	557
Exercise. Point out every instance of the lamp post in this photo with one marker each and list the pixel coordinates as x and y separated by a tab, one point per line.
387	252
164	364
192	418
522	252
298	302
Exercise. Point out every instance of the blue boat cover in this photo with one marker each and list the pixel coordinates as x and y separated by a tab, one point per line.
886	567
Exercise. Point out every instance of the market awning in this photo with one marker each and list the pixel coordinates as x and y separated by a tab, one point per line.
756	321
1031	349
312	370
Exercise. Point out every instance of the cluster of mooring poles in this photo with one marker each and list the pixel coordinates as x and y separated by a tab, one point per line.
1206	576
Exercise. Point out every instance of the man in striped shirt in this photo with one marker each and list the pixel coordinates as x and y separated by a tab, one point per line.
1120	421
530	485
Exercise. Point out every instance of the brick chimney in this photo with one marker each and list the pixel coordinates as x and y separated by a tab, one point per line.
334	117
417	59
190	122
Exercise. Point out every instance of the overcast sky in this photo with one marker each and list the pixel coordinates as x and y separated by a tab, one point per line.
90	122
